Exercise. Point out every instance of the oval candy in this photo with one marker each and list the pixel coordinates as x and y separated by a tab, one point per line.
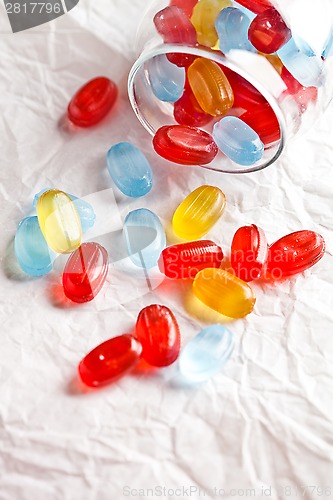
249	252
232	27
268	32
166	79
203	18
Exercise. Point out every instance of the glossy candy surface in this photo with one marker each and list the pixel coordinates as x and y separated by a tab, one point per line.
158	332
166	79
85	210
85	272
186	5
246	96
264	122
302	95
32	253
187	111
224	292
268	32
249	252
238	141
198	212
187	259
210	87
59	221
145	237
111	359
206	353
203	19
92	102
294	253
129	169
185	145
256	6
232	27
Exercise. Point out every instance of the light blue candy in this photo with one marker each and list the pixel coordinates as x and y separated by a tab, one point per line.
85	210
167	80
307	69
129	169
238	141
32	253
232	26
145	237
206	353
328	48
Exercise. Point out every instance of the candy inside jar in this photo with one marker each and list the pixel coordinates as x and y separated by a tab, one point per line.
248	74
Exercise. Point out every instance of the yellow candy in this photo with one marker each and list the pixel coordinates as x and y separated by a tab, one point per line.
203	19
59	221
198	213
210	87
224	292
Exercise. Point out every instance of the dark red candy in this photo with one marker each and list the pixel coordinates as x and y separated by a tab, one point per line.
185	145
302	95
249	252
263	121
92	102
187	111
246	96
295	253
158	332
256	6
85	272
187	259
111	359
268	32
186	5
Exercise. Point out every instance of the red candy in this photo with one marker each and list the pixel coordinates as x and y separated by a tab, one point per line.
158	332
110	360
186	5
185	145
92	102
256	6
302	95
187	259
187	111
268	31
249	252
264	122
295	253
246	96
85	272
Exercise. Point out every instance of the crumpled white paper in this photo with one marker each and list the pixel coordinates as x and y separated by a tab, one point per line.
261	428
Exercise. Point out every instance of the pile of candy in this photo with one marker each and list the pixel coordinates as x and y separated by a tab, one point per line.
62	218
241	122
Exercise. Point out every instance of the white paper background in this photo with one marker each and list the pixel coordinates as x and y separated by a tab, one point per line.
267	419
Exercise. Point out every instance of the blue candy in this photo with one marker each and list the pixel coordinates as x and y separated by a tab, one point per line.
206	353
232	26
129	169
238	141
145	237
328	48
85	210
167	80
31	250
300	61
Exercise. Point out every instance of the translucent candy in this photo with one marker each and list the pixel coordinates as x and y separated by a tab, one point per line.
186	5
249	252
302	95
111	359
174	26
206	354
85	210
59	221
210	87
268	32
232	26
294	253
256	6
158	331
328	46
167	80
187	111
224	292
31	250
264	122
246	96
187	259
145	237
85	272
92	102
198	212
185	145
238	141
129	169
203	19
309	71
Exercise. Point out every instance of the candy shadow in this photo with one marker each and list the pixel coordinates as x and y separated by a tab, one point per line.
56	294
11	267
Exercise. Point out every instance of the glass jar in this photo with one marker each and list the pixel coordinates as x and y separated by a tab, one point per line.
295	104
